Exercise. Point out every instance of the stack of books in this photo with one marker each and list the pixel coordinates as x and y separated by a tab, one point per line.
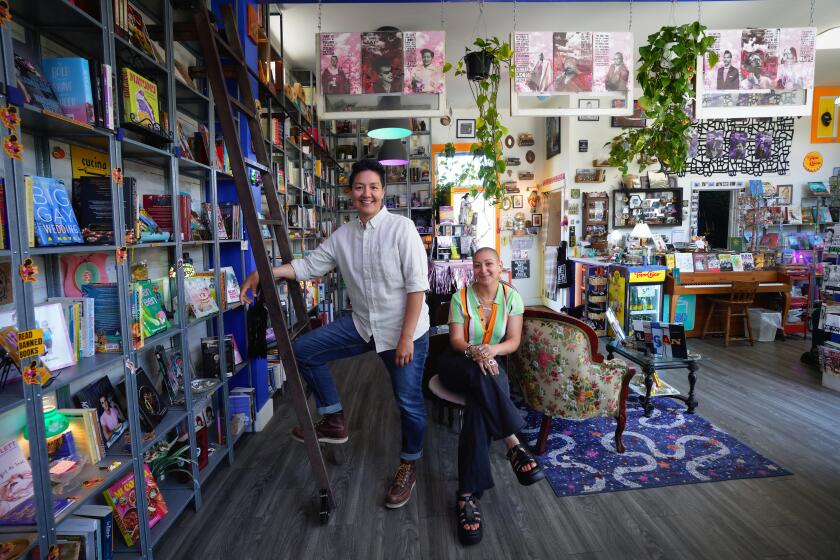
664	340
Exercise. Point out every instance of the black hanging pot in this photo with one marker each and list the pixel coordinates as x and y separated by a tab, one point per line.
478	64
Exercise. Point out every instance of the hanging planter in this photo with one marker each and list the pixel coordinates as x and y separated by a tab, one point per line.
667	71
483	68
479	65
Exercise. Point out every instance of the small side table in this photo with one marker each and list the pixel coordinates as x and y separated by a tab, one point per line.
650	364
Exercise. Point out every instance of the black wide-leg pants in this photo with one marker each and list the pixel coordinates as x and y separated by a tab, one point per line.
489	415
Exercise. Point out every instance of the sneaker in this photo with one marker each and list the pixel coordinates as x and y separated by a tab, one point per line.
400	491
330	429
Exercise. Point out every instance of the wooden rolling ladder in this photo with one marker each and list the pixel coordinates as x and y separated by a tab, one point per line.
215	47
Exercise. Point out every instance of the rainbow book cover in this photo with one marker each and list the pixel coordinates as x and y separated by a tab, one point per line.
70	79
122	498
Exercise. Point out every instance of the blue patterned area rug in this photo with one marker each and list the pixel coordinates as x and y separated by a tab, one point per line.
667	449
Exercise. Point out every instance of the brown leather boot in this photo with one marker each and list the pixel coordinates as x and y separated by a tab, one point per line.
400	491
330	429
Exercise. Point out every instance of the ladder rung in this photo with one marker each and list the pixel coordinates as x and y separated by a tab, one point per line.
241	106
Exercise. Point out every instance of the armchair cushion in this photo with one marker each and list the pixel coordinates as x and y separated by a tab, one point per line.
560	375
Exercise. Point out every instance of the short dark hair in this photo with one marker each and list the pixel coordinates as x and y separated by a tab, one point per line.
424	51
381	61
367	164
727	53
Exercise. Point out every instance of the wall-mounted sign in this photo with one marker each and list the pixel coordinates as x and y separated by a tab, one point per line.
813	162
521	269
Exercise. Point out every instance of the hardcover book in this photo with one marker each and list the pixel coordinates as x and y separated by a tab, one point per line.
105	517
713	263
153	318
201	296
153	404
52	214
121	498
140	99
725	262
92	203
231	285
70	79
112	420
35	87
748	262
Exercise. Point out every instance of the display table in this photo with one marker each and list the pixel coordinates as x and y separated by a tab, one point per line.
650	364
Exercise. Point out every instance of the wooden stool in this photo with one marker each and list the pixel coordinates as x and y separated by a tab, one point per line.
741	298
447	399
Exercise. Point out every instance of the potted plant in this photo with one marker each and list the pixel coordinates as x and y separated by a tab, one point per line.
483	68
666	74
167	457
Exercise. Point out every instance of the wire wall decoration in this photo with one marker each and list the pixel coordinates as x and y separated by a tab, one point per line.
740	147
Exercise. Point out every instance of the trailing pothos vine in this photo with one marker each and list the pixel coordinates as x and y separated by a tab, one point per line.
666	74
495	55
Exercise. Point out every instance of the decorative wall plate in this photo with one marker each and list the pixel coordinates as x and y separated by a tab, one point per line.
530	156
509	141
507	203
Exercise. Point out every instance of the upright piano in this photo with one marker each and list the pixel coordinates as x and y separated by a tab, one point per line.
719	284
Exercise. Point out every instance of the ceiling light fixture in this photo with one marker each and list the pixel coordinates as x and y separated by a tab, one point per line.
392	153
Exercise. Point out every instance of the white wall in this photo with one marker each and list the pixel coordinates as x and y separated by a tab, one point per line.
530	288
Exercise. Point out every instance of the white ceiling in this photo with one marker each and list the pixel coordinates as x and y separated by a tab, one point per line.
462	25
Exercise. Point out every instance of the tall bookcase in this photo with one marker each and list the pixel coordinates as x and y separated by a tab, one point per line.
158	165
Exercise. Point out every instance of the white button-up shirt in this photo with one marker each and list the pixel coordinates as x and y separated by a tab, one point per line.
381	263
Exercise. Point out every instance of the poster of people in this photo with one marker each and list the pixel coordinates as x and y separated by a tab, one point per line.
423	56
533	61
762	59
572	61
611	54
341	55
382	62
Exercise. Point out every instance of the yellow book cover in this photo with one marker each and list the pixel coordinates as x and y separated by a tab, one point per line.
140	99
87	162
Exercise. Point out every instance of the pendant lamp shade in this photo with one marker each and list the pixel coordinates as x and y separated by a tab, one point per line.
392	152
388	129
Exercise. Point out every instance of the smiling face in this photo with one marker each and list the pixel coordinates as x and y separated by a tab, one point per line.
727	59
386	74
487	268
367	193
427	58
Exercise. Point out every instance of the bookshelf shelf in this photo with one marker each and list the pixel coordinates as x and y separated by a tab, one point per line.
34	119
68	249
193	322
159	338
85	367
138	60
177	500
193	168
151	245
99	470
63	11
174	417
136	150
213	461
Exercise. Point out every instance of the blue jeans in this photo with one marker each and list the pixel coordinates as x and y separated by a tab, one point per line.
339	339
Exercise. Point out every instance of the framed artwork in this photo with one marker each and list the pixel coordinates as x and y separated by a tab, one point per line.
465	128
552	137
517	201
785	194
536	220
589	104
637	120
575	193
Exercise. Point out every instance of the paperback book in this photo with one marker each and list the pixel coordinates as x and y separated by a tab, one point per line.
112	420
201	296
36	89
140	100
153	403
53	219
70	79
121	498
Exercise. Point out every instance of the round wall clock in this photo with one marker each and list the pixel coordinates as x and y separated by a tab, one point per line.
509	141
530	156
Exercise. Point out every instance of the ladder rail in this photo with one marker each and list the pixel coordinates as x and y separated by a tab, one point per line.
216	78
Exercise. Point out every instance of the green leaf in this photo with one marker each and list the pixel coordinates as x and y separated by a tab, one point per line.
713	59
447	67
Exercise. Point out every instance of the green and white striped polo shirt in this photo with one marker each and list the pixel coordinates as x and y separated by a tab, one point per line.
508	302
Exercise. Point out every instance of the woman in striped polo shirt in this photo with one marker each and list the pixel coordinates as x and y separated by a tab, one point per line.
485	321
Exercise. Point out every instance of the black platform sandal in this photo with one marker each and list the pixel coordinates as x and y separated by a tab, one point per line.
519	458
468	515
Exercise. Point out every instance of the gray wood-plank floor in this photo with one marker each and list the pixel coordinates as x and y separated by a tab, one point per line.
264	505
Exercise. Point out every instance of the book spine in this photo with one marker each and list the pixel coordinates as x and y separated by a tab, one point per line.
95	71
108	96
4	234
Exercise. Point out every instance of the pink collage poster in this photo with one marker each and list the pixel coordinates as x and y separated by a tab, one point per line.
612	60
423	58
759	59
726	74
796	58
382	62
341	58
572	61
533	59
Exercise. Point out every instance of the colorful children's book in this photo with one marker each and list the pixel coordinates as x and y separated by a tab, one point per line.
712	263
70	79
121	498
153	318
140	100
201	296
725	262
737	263
748	262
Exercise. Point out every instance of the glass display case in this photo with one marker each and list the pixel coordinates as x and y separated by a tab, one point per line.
635	293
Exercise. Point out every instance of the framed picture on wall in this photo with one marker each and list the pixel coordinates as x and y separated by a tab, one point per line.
785	194
536	219
552	137
636	121
517	201
465	128
589	104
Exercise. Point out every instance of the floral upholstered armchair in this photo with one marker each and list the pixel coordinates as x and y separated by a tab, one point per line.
561	373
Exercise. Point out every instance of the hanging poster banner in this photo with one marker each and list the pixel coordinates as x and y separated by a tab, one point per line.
341	57
423	58
763	72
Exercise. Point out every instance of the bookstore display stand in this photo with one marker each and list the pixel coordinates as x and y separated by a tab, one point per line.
162	169
276	220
